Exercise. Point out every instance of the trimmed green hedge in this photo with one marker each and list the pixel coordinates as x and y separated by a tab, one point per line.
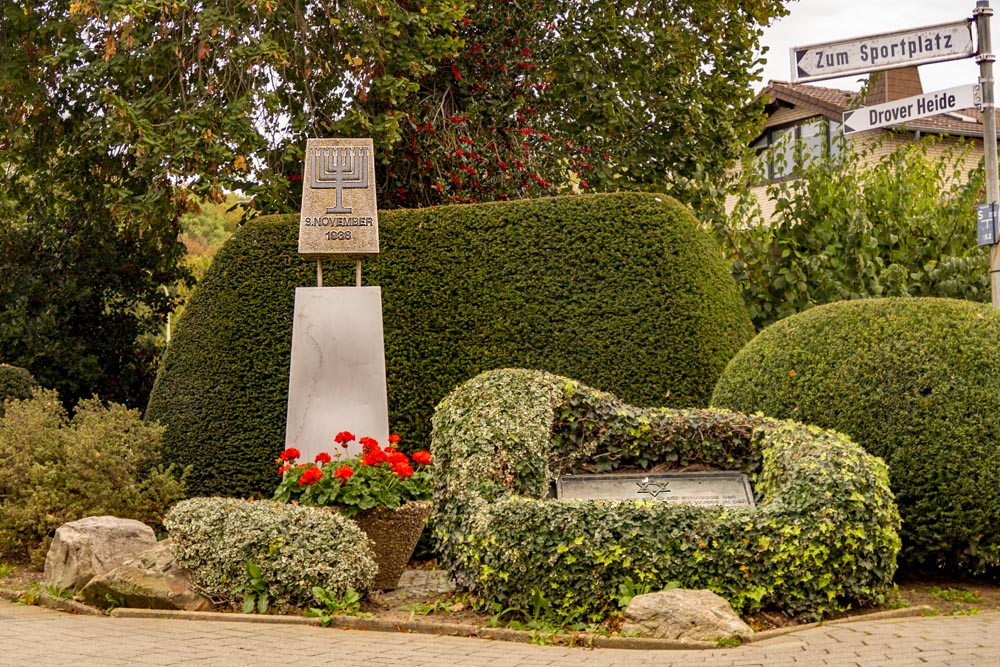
822	536
914	381
623	291
16	383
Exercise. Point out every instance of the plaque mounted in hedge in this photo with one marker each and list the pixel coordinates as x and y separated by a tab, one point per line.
725	488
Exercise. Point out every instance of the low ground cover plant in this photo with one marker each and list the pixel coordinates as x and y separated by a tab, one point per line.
274	554
915	381
822	537
57	468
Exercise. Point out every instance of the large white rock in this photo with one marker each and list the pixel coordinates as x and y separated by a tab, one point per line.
91	546
684	615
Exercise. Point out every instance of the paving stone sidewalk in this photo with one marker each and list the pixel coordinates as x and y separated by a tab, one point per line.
38	636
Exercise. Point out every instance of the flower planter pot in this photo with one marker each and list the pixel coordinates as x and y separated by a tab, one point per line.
395	534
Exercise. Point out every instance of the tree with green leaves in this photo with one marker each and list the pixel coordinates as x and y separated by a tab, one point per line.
114	114
857	225
548	96
118	116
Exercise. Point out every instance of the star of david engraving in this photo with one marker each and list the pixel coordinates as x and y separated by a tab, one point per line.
341	168
654	489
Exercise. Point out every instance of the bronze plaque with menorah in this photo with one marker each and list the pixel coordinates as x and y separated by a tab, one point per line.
339	216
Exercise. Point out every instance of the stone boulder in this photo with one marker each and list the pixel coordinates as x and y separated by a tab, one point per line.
92	546
685	615
151	580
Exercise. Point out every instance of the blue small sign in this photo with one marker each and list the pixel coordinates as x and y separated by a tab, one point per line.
986	224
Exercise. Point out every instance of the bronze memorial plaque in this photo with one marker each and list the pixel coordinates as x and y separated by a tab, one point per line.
726	488
339	216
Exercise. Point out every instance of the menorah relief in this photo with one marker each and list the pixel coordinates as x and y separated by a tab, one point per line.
339	167
339	215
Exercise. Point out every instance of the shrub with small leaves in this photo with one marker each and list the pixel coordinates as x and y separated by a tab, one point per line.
914	381
57	469
15	382
621	290
294	549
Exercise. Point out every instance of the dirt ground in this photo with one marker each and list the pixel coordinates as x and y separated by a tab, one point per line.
942	596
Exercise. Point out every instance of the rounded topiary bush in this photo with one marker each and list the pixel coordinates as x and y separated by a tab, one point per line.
623	291
295	548
16	383
914	381
822	536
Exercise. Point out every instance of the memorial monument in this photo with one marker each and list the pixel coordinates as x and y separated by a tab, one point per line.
337	375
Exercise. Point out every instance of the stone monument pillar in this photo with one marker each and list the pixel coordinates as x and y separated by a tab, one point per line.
337	376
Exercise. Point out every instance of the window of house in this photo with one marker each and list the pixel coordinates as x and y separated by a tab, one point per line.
783	150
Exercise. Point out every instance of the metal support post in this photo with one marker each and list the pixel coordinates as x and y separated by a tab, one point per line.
986	58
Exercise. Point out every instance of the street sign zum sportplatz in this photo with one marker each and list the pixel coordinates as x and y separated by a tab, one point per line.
931	44
898	112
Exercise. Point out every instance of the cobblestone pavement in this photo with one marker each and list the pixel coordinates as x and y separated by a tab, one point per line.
39	636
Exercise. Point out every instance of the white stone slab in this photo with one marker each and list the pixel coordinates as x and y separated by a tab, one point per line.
337	376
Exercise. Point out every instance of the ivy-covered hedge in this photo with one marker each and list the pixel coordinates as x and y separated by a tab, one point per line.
914	381
623	291
822	536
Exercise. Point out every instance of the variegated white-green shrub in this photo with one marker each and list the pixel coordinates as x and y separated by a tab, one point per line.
823	535
295	548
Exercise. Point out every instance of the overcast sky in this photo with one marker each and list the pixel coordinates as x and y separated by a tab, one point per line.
818	21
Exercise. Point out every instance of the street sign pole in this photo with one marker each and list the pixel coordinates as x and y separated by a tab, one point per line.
985	58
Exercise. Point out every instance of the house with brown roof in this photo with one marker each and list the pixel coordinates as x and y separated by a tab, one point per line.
812	116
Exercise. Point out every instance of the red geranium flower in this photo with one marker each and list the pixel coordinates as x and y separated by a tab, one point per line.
368	443
283	469
323	457
373	457
423	457
343	438
402	469
394	439
343	473
310	476
290	453
395	458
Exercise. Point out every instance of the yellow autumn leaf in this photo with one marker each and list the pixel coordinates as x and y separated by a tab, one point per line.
334	21
240	163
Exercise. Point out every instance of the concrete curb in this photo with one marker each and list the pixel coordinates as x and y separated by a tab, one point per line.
421	627
52	602
442	628
905	612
